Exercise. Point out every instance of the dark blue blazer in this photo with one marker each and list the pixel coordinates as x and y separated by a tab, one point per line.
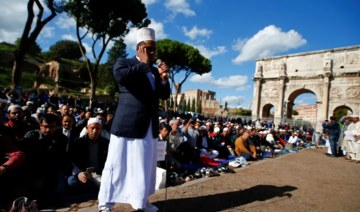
138	102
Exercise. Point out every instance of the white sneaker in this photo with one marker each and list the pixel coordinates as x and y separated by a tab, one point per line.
105	209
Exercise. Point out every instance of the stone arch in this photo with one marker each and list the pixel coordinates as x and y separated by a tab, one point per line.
266	110
342	107
290	100
332	75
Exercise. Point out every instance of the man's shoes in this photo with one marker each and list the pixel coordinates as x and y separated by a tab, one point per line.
150	208
105	210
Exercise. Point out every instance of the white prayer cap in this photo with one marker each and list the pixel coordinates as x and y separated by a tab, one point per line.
29	103
40	110
99	111
25	108
248	127
93	120
270	137
144	34
13	107
216	130
173	121
226	129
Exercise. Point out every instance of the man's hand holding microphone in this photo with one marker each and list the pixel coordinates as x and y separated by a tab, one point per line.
163	69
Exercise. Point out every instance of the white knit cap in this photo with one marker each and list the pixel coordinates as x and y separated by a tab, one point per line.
144	34
216	130
13	107
93	120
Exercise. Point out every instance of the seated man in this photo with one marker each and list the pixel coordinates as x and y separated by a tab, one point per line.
244	147
88	155
11	159
292	142
47	160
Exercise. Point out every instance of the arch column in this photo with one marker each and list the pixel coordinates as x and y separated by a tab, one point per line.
256	99
325	102
280	105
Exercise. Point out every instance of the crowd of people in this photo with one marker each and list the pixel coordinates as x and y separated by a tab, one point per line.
48	149
343	137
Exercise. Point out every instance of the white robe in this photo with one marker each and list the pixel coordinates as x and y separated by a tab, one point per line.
129	174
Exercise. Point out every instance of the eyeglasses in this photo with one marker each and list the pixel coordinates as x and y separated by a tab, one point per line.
150	49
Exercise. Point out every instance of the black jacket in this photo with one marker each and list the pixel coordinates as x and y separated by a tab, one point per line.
138	102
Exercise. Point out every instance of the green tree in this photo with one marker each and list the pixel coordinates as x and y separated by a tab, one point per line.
34	49
188	105
171	103
30	33
105	76
65	49
106	21
294	112
226	106
193	105
184	58
116	51
182	105
199	107
340	113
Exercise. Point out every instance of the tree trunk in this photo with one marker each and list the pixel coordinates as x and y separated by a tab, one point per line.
177	91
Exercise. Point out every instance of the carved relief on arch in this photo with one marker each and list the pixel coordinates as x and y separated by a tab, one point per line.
270	92
352	58
336	92
353	92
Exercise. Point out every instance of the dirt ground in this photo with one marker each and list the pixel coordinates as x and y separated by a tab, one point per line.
303	181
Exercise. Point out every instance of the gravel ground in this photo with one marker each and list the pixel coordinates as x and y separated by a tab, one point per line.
303	181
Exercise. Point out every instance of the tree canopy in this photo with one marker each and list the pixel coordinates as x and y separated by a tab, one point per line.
31	31
181	57
33	50
104	21
65	49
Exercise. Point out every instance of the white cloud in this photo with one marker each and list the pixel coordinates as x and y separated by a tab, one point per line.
47	32
267	42
233	101
237	82
65	22
69	37
88	50
195	32
148	2
13	15
209	53
130	38
179	7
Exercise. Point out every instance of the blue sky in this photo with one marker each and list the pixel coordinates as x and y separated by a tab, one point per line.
231	33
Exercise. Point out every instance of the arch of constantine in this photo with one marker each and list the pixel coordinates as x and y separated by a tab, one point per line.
332	75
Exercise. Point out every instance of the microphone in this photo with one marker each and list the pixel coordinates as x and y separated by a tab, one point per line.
158	62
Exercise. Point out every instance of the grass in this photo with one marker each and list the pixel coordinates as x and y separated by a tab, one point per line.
6	48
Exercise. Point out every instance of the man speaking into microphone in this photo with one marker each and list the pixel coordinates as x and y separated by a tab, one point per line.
130	170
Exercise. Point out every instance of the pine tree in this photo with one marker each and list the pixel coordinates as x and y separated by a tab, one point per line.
193	105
